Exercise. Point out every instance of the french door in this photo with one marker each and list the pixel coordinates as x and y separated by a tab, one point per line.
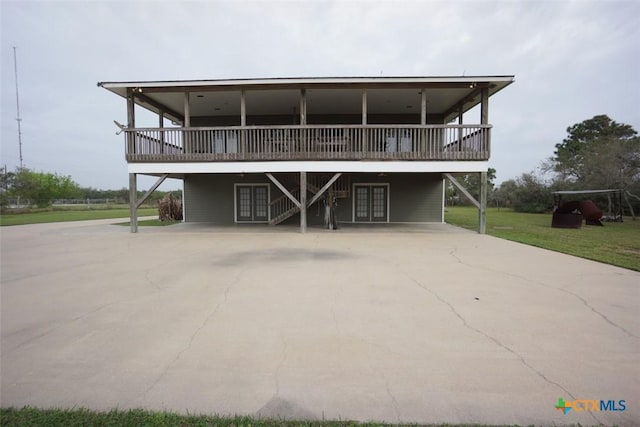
252	203
371	203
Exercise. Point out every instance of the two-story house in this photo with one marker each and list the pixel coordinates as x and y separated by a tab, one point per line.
379	149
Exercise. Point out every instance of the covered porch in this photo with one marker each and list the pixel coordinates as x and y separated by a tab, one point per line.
315	197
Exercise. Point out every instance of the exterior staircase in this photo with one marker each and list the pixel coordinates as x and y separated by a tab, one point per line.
283	208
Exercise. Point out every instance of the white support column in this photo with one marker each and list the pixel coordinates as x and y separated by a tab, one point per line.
482	212
133	208
303	202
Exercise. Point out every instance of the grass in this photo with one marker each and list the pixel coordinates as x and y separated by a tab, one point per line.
615	243
39	216
29	416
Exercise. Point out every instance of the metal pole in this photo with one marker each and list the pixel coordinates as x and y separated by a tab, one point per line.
19	119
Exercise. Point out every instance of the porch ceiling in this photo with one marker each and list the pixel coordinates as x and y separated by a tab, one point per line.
324	95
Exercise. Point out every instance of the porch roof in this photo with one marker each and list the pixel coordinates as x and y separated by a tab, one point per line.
325	95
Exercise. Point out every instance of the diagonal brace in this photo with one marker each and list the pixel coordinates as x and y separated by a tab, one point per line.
462	190
284	190
151	190
324	188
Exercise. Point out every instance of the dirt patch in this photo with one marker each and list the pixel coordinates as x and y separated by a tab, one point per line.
629	251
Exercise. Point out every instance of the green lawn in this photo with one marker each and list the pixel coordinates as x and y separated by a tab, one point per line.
62	215
615	243
137	417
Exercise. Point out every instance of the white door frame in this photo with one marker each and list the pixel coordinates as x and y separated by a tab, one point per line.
369	184
235	201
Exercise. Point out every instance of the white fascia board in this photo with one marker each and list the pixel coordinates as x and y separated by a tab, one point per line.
308	81
311	166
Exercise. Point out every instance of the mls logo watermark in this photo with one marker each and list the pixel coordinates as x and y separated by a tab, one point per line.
590	405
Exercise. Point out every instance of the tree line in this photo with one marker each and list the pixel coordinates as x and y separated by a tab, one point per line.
41	189
596	154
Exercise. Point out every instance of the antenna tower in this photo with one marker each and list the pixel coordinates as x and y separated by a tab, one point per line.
18	119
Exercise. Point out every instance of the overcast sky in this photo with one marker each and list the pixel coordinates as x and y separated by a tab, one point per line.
572	60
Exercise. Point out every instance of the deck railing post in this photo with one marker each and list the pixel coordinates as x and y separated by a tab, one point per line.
460	127
186	138
484	113
129	141
423	121
161	123
131	121
365	139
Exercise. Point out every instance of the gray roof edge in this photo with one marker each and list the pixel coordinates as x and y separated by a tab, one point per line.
308	80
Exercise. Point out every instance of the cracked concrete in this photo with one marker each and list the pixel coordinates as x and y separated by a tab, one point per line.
411	324
561	390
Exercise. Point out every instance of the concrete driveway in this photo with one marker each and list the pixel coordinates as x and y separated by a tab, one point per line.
420	324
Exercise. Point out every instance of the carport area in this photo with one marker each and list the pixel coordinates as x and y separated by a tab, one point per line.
413	325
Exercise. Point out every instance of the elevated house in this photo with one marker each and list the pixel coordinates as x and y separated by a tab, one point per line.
273	150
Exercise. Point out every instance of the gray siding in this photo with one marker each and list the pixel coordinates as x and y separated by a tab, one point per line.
210	197
413	197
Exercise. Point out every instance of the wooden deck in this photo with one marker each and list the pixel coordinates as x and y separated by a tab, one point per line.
308	142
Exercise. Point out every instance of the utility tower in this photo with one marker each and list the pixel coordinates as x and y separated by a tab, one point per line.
19	119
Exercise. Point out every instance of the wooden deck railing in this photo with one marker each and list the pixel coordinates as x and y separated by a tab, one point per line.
310	142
